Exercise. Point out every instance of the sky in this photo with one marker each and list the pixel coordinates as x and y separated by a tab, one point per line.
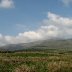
23	21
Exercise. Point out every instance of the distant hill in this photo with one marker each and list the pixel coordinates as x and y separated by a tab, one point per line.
65	44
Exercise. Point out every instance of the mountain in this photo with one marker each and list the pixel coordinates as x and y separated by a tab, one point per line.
65	44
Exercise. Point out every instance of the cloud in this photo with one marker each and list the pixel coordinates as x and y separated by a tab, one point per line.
22	27
63	24
60	20
6	4
55	26
66	2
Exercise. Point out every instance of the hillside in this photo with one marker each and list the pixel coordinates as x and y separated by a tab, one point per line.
40	45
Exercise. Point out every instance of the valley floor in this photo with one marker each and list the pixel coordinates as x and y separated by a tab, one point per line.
31	61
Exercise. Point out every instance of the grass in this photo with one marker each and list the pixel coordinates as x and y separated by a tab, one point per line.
55	61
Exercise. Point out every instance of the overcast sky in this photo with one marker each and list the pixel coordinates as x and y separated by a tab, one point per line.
23	21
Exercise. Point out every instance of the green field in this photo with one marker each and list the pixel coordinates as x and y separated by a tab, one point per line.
36	61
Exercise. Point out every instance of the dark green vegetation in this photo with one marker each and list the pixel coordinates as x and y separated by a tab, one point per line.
36	61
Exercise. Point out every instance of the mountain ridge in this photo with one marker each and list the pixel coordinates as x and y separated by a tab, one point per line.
43	44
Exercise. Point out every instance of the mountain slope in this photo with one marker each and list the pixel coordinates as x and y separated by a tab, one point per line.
45	44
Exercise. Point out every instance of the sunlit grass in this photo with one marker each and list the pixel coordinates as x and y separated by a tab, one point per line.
36	62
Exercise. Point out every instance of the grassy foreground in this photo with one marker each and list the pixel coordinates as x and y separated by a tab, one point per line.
36	62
